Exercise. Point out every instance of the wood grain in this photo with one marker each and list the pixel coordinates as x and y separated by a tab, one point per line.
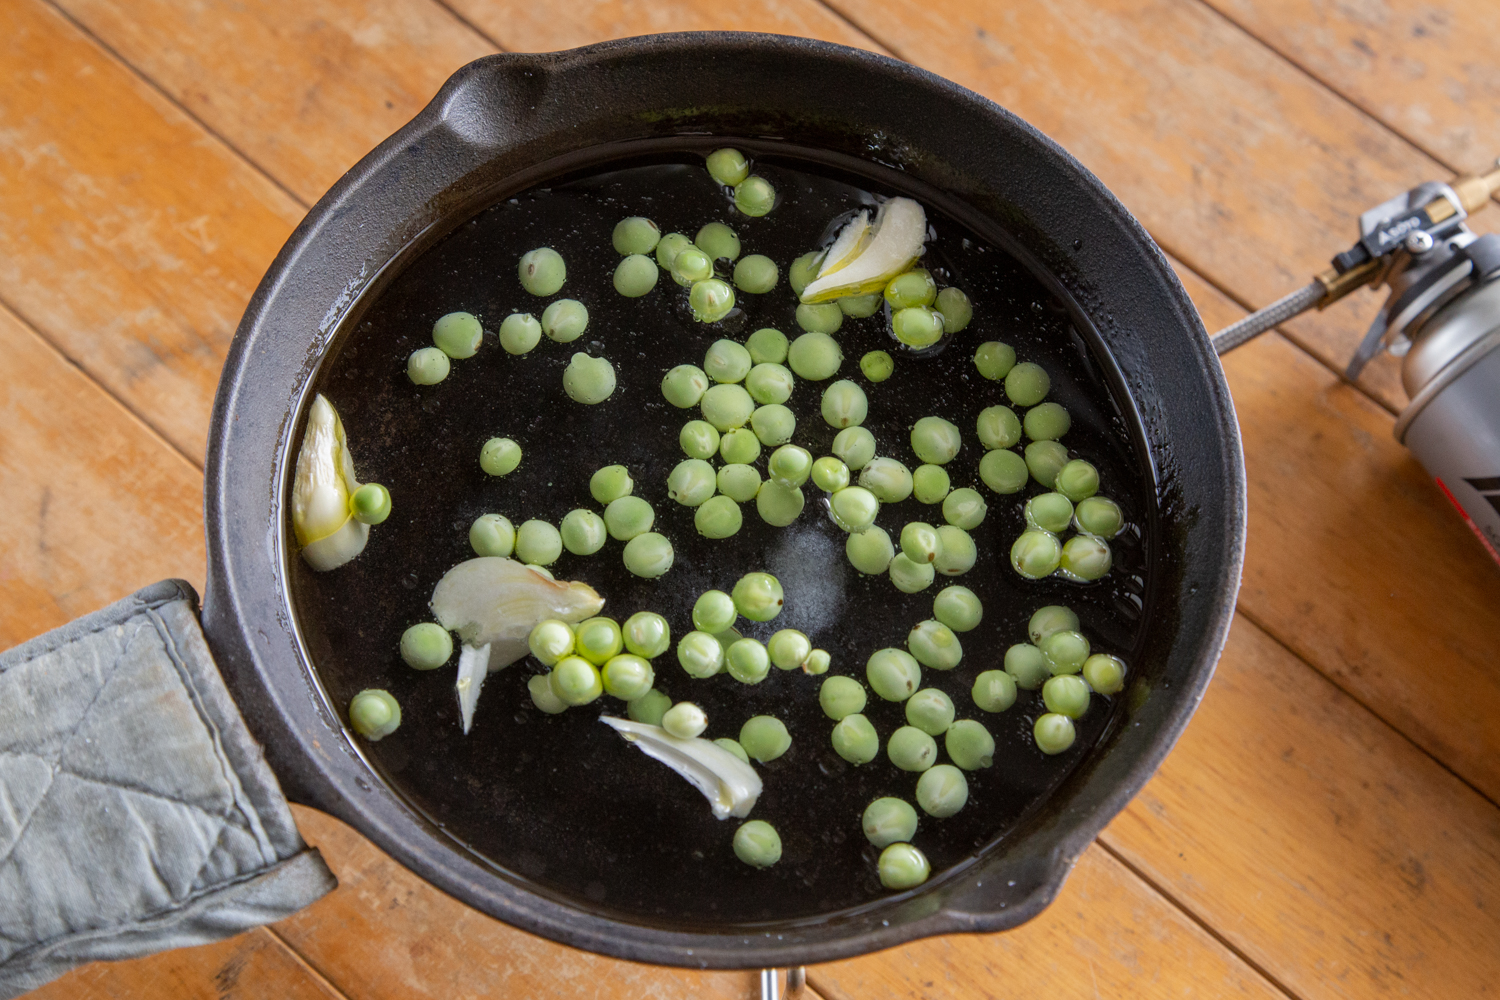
1319	842
128	237
251	966
93	505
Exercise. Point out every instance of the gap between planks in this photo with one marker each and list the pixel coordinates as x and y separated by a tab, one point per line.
313	971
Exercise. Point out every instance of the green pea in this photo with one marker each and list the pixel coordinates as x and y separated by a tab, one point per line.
1052	618
1047	422
635	275
1027	665
427	366
699	439
769	382
930	483
718	241
790	464
691	482
773	424
1004	471
758	596
1036	554
1078	480
739	482
726	361
888	479
920	542
1027	384
903	866
598	639
819	317
893	674
829	474
755	274
855	446
627	676
1065	651
733	746
853	509
700	654
635	235
542	271
628	517
718	517
691	266
1049	512
1086	558
1099	516
610	484
854	739
804	271
739	446
778	504
969	744
995	360
958	608
499	456
564	320
1103	672
815	356
713	612
889	821
648	555
958	552
870	552
911	577
767	346
540	687
684	720
492	535
684	386
935	440
845	404
370	504
646	634
538	542
861	307
789	648
994	691
1066	694
877	366
910	749
817	663
930	710
841	696
942	791
934	645
374	714
520	333
588	380
1053	733
965	508
669	247
458	334
747	661
754	196
728	166
426	646
917	327
550	641
649	708
764	738
582	532
757	844
912	288
711	300
1044	460
998	427
955	308
727	406
575	681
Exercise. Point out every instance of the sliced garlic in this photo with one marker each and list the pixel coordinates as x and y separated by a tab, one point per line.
867	255
730	785
324	482
473	668
496	601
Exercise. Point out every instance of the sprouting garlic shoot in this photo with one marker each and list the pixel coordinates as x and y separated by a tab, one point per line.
473	668
322	518
866	255
730	785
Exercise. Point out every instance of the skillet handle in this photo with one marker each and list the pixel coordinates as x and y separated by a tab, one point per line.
770	983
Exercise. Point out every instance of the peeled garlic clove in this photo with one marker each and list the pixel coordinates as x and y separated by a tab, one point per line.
496	601
473	668
730	785
321	488
889	246
851	241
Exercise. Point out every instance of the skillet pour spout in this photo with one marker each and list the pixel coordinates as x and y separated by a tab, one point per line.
509	122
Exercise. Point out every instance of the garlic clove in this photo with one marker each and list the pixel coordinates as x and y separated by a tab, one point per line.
730	785
863	261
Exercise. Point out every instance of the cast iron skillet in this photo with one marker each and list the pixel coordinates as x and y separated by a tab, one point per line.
507	122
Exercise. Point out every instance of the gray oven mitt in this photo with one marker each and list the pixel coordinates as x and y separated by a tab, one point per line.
136	812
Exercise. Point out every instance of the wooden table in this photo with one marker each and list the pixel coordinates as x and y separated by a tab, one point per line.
1328	825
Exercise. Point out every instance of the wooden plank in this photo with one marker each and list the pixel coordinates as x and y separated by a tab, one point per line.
128	237
1328	849
250	966
1108	928
93	505
349	72
1426	67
